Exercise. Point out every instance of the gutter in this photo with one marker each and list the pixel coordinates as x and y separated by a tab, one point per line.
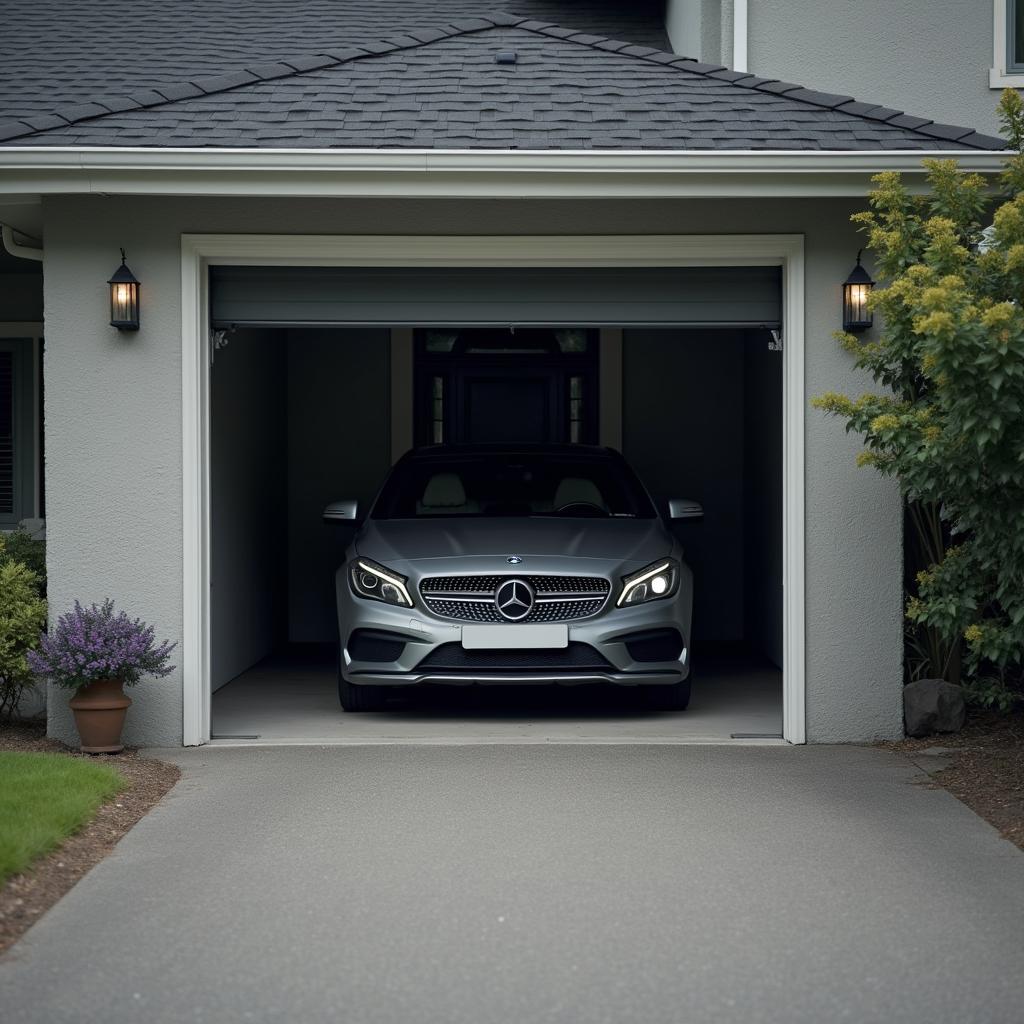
24	252
49	170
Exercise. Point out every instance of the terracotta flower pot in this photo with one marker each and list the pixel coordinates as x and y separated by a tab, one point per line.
99	711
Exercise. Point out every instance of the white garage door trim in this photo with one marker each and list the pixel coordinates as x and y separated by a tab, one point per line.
199	252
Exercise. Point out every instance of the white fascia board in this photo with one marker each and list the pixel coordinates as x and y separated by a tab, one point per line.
459	173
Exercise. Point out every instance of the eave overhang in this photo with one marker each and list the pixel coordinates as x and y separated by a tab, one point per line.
469	173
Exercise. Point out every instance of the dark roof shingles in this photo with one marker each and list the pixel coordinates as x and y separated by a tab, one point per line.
57	53
452	94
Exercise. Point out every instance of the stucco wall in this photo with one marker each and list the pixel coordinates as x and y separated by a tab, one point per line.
927	57
113	419
700	29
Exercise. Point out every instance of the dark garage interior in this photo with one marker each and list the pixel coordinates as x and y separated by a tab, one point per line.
302	416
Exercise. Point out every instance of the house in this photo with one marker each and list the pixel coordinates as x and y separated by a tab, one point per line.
947	62
341	215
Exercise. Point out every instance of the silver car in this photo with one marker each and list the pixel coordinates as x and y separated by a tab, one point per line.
513	565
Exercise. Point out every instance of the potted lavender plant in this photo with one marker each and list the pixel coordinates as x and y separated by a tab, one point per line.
96	653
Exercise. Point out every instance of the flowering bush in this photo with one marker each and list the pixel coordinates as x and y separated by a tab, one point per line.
93	643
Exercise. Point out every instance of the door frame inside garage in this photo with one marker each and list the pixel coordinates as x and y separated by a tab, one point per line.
199	252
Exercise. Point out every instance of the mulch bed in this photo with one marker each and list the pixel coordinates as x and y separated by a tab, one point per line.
26	897
986	768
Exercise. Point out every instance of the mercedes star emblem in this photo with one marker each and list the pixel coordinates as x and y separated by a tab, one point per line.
514	599
513	559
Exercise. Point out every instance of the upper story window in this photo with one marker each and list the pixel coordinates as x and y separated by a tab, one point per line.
1015	36
1008	44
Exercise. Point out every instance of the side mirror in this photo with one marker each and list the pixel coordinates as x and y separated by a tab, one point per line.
341	512
684	508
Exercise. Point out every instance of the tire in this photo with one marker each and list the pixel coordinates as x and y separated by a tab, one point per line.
673	697
355	697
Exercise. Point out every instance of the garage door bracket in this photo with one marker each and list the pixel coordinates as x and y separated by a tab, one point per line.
218	340
775	344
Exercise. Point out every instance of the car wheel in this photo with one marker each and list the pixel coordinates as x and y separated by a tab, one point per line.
354	697
673	697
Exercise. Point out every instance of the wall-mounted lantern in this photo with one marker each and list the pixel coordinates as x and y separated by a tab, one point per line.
856	289
124	298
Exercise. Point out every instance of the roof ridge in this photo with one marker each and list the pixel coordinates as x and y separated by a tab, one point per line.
336	56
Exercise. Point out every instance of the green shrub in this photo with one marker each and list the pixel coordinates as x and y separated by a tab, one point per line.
22	617
948	422
990	692
19	546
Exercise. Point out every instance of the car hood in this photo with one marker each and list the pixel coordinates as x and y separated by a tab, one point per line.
485	545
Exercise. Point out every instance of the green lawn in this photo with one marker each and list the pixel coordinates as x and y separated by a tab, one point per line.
43	799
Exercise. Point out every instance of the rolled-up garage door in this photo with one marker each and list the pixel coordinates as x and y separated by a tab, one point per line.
576	296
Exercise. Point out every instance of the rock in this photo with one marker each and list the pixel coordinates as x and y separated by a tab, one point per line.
933	705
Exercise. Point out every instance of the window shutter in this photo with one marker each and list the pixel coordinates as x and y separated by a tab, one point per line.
6	433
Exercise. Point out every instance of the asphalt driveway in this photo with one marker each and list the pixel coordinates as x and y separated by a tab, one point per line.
538	883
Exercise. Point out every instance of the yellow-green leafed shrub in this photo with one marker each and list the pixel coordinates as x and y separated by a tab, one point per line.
22	618
947	420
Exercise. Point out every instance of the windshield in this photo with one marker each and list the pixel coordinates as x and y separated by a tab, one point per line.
512	485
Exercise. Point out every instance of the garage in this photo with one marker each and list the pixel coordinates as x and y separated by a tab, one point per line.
322	376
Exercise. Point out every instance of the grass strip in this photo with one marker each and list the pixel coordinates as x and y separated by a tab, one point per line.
44	798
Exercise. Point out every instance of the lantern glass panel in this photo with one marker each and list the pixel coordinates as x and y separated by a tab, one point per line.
857	287
856	312
123	305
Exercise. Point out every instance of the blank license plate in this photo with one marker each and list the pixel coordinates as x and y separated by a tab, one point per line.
514	638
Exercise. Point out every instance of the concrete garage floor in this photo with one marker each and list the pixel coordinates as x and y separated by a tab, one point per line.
292	698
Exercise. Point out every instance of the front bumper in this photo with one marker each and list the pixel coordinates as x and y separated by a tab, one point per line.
424	634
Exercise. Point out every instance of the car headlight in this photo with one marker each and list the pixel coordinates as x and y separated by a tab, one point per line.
658	580
371	580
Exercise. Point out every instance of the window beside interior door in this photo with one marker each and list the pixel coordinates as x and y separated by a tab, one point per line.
502	385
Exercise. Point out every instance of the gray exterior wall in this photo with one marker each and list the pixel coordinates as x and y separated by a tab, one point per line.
930	58
700	28
113	421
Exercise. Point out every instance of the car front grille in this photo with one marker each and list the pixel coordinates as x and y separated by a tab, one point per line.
454	658
558	598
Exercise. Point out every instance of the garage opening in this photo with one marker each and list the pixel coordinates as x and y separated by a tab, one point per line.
321	376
